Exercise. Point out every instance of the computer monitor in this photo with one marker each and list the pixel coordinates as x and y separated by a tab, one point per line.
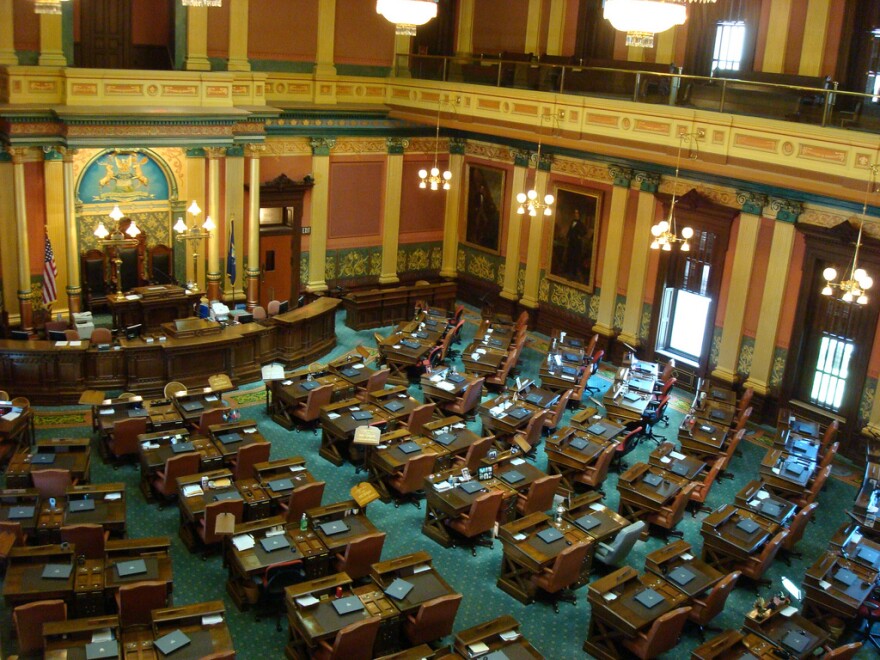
57	335
133	331
245	318
19	334
283	307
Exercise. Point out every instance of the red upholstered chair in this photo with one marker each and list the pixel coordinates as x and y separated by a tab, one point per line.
53	482
796	529
594	369
553	420
433	620
87	540
702	488
729	451
532	434
468	401
845	652
359	555
302	499
309	412
411	479
479	520
742	419
376	381
669	515
566	570
209	418
499	378
136	601
625	446
420	416
123	440
354	642
830	433
539	496
207	528
242	465
745	400
259	313
71	335
660	637
56	326
829	453
704	609
475	454
164	482
101	336
813	489
755	566
12	536
273	307
594	475
29	620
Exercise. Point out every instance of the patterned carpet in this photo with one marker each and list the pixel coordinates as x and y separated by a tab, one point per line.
556	636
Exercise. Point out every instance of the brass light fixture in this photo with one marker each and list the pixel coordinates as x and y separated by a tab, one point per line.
194	234
529	201
642	19
433	179
118	240
664	232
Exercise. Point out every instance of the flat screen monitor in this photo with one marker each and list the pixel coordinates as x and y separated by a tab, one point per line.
245	318
133	331
283	307
20	334
57	335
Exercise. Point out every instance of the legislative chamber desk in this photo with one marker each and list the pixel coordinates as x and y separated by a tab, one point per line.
47	374
71	454
499	635
427	583
735	645
13	498
727	540
203	623
837	587
791	634
66	640
379	307
107	510
24	581
152	306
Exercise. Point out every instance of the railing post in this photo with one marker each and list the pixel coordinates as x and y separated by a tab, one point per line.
562	80
498	80
638	84
445	69
723	92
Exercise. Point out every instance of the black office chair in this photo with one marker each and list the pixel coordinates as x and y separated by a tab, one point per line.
653	415
594	367
274	580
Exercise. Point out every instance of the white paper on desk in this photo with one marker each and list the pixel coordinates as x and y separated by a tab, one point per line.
332	415
686	556
825	584
856	537
677	456
517	461
396	347
475	356
446	386
564	377
788	611
354	408
307	601
509	635
105	411
460	425
359	365
192	489
477	649
272	371
775	470
436	378
105	635
276	531
243	542
595	506
62	344
665	459
610	596
481	351
297	468
871	509
212	619
519	537
287	382
112	497
252	429
762	494
421	568
211	397
132	296
489	331
11	416
442	486
76	342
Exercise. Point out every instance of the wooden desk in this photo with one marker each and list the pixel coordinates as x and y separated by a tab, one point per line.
388	460
192	403
269	473
490	633
445	385
853	545
797	446
65	640
415	568
677	554
638	498
351	368
610	522
24	582
347	511
205	638
154	449
715	412
380	307
785	475
718	393
110	411
625	407
152	306
755	497
774	627
680	464
482	360
733	645
19	430
338	426
725	544
230	437
11	498
702	438
826	595
570	460
438	429
403	351
286	395
109	511
501	416
303	334
446	504
396	403
72	454
156	554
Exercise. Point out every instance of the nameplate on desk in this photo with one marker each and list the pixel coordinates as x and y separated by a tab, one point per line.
278	485
445	439
649	598
471	487
192	406
845	576
680	576
77	506
409	447
868	554
21	512
519	413
100	650
707	428
394	406
578	443
597	429
229	438
550	535
171	642
272	543
56	571
512	476
587	522
347	605
133	567
333	527
797	641
361	415
42	459
652	479
399	589
227	495
747	525
182	447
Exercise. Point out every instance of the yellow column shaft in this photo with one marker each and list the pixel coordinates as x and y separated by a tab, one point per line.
197	39
238	36
451	215
536	231
514	232
391	218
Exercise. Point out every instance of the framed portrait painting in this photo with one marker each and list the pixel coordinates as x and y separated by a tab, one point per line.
484	206
576	237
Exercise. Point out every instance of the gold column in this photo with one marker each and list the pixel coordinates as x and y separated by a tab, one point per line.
324	65
238	36
391	211
514	226
641	249
452	210
320	214
402	46
214	276
51	46
21	237
253	252
815	29
465	28
556	28
8	55
533	26
74	286
617	217
740	279
536	235
195	189
665	46
9	260
774	294
234	209
197	39
777	36
54	191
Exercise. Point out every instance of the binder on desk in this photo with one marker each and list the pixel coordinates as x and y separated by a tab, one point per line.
56	571
272	543
278	485
649	598
334	527
192	406
550	535
348	605
182	447
42	459
409	447
578	443
399	589
133	567
680	576
309	385
361	415
77	506
21	512
512	476
394	406
748	526
171	642
587	522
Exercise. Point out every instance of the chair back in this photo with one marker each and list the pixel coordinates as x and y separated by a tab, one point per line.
211	417
482	514
318	397
555	417
178	466
522	320
419	417
213	511
742	419
830	453
581	386
56	326
101	336
532	434
413	477
591	345
361	554
87	540
540	495
676	508
477	452
768	553
12	528
596	473
124	441
701	489
622	544
714	602
668	384
273	307
629	441
356	640
668	370
137	601
566	568
377	380
161	264
653	414
745	400
29	620
247	457
597	358
71	335
259	313
798	525
846	651
830	433
471	397
171	389
434	619
304	498
53	482
731	447
818	482
664	633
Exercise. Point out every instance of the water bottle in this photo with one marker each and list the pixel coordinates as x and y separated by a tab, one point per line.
303	523
51	502
204	483
560	511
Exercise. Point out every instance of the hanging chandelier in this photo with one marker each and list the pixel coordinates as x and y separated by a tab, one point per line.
202	3
642	19
529	201
664	232
855	287
48	6
433	179
407	15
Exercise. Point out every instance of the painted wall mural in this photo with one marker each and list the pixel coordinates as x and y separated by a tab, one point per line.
123	176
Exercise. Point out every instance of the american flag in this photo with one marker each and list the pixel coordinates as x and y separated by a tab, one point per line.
49	273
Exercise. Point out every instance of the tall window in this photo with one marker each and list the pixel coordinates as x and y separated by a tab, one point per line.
730	40
835	346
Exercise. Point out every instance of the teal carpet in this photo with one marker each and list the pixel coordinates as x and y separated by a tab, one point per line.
556	636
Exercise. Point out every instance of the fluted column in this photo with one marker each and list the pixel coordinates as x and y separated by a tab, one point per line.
234	207
391	211
21	238
641	248
51	42
197	39
54	200
556	27
320	214
8	55
195	189
514	226
775	290
611	259
464	29
253	250
777	36
214	276
740	278
238	36
533	26
74	286
536	235
9	262
452	209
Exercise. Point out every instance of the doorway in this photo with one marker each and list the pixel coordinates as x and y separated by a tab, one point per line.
279	279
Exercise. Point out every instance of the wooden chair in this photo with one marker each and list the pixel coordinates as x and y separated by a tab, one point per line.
796	529
479	520
411	479
660	637
122	443
11	536
702	488
302	499
812	491
135	602
354	642
53	482
433	620
565	571
376	381
87	540
742	419
671	514
164	483
539	496
101	336
209	418
242	465
360	555
499	378
552	421
161	264
420	416
464	405
29	619
309	411
475	454
745	400
704	609
207	528
845	652
94	278
755	566
4	395
173	388
594	475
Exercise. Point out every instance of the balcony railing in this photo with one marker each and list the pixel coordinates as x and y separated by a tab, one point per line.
819	106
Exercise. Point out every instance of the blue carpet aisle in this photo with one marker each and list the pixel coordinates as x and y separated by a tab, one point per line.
556	636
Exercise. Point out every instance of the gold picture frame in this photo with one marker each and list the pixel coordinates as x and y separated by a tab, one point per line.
575	241
485	207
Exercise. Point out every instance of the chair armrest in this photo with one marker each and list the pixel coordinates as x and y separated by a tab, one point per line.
160	474
605	547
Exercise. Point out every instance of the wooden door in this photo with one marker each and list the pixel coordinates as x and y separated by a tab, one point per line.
105	34
275	264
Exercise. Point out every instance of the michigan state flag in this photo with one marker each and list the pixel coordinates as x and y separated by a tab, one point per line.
230	258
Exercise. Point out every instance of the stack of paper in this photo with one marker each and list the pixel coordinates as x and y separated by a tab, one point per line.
192	490
243	542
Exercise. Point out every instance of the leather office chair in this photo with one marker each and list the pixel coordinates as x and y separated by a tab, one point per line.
431	361
209	418
845	652
301	500
745	400
577	392
101	336
565	571
479	520
71	335
653	415
135	602
173	388
629	442
273	581
740	423
354	642
475	454
552	421
242	465
420	416
273	308
376	381
360	554
499	378
729	452
755	566
164	483
207	527
53	482
123	442
87	540
813	489
671	514
796	529
665	375
660	637
531	436
13	537
611	554
309	412
453	336
407	483
594	369
56	326
702	488
829	455
29	619
830	433
433	620
259	313
522	321
704	609
869	613
594	475
539	496
464	405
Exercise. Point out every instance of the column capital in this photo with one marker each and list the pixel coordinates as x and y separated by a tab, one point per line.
457	145
236	151
67	153
53	153
395	145
521	157
751	202
18	154
544	162
195	152
254	150
5	157
322	146
215	153
622	176
787	210
649	182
